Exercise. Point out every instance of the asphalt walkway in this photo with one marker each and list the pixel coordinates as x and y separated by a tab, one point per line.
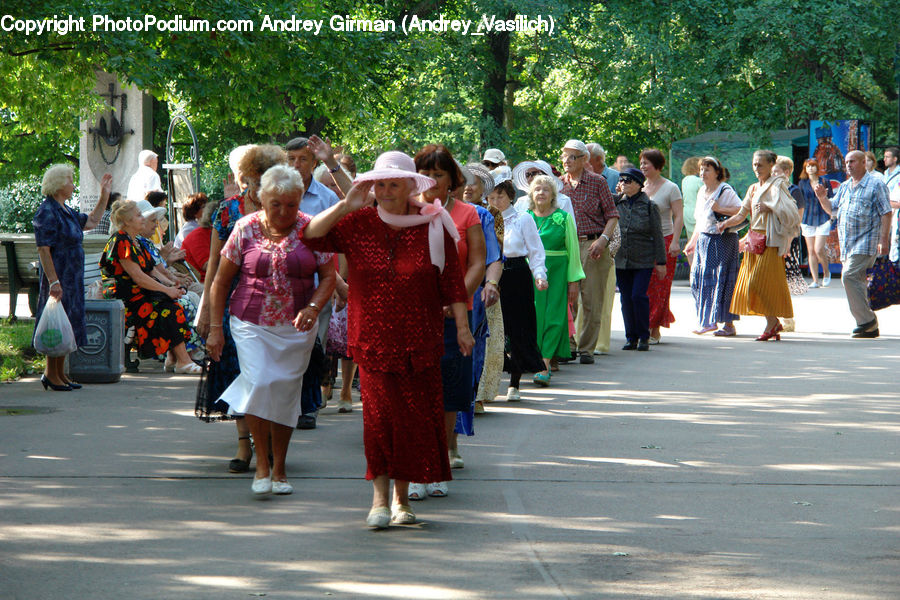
707	468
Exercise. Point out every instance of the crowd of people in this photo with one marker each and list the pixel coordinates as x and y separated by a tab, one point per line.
432	277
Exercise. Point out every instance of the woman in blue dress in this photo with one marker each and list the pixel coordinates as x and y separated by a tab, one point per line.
59	233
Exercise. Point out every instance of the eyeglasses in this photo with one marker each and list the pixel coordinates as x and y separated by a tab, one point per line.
625	180
533	174
568	157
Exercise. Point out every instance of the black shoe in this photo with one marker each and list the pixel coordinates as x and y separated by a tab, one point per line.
631	345
586	359
873	324
866	334
74	386
306	422
643	345
56	388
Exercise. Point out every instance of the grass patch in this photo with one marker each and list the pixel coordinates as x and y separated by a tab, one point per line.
17	357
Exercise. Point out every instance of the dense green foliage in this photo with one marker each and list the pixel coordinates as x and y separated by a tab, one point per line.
626	74
19	200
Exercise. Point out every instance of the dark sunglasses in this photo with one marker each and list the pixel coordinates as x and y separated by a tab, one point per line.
532	174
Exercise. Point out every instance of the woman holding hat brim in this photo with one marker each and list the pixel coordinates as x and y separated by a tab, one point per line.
402	270
716	259
642	252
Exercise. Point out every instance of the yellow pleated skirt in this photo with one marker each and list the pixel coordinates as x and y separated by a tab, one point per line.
761	287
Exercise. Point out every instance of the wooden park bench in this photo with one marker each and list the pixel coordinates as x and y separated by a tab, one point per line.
21	268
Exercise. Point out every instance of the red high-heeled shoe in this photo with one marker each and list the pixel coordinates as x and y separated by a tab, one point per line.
769	334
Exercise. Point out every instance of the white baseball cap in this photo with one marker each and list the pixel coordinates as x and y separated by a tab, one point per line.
493	155
576	145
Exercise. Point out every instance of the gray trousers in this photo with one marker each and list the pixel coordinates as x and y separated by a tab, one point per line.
853	276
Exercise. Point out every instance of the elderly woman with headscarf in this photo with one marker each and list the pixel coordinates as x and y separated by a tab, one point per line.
274	308
761	287
59	233
524	259
556	228
403	269
715	266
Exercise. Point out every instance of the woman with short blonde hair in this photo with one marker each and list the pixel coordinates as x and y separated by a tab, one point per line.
59	233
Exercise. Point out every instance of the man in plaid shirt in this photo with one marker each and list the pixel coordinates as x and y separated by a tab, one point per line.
863	214
595	219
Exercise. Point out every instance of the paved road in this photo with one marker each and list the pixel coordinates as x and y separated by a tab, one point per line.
707	468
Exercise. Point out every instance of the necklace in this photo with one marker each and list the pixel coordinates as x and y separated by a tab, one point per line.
270	233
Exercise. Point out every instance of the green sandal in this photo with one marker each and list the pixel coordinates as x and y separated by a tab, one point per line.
542	379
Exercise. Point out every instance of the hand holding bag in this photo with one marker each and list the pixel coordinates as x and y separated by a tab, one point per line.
53	335
884	284
756	242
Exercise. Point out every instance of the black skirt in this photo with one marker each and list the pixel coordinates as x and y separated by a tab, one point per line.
519	319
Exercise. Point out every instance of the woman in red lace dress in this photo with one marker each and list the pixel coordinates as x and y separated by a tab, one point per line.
402	269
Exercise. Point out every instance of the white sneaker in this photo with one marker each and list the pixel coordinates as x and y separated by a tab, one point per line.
512	395
826	281
437	490
813	285
417	491
456	461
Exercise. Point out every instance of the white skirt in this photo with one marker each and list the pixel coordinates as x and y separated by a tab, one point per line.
273	360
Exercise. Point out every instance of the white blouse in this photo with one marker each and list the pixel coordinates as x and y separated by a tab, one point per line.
723	195
521	238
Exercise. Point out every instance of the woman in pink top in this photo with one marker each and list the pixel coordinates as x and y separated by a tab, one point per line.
274	308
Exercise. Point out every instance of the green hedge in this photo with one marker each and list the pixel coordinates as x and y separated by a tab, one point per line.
19	201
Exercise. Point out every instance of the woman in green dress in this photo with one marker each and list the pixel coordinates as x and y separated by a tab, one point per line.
557	230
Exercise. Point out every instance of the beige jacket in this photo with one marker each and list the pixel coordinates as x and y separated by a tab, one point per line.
783	223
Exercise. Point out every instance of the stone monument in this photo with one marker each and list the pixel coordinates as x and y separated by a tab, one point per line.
112	139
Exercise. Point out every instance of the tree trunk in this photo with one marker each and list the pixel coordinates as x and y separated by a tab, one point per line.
495	82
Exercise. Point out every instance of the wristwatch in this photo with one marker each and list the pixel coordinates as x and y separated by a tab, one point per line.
335	169
315	306
493	282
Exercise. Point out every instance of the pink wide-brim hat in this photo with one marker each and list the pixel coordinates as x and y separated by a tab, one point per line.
396	165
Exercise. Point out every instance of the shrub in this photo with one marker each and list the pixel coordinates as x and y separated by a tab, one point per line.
19	201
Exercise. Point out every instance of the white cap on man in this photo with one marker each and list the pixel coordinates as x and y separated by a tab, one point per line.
494	155
576	145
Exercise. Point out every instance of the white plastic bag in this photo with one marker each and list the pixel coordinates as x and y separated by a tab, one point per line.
54	336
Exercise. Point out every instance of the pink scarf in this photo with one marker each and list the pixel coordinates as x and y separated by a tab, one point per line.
438	220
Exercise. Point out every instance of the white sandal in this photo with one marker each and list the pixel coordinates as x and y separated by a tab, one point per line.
417	491
191	368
